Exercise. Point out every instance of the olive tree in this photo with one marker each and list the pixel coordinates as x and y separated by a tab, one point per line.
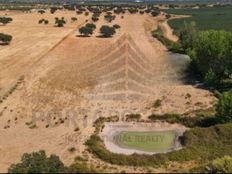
86	31
59	22
73	19
5	39
107	31
5	20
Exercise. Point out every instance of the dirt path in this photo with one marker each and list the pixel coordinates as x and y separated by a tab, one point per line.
168	31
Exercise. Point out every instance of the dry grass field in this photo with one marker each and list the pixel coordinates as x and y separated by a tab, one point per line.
53	84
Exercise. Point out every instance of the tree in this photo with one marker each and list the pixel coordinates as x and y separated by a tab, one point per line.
107	31
86	31
86	13
95	19
46	22
116	26
5	20
41	11
38	162
155	13
59	22
211	54
73	19
41	21
224	108
53	10
5	38
91	25
222	165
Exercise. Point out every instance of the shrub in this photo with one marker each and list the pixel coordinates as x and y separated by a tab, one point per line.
73	19
41	21
53	10
116	26
107	31
91	25
222	165
133	117
95	19
86	31
41	11
59	22
38	162
197	147
155	13
5	20
211	56
157	103
46	22
86	13
224	108
5	38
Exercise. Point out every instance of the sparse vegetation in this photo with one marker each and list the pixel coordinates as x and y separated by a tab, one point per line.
172	46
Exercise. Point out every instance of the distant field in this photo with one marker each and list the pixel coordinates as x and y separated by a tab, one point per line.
146	141
218	18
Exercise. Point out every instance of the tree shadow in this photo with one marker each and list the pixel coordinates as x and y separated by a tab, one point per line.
80	35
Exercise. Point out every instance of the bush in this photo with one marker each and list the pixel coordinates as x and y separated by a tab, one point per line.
59	22
157	103
95	19
73	19
211	56
53	10
197	147
222	165
107	31
86	31
5	38
41	11
224	108
46	22
5	20
133	117
38	162
90	25
155	13
116	26
172	46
